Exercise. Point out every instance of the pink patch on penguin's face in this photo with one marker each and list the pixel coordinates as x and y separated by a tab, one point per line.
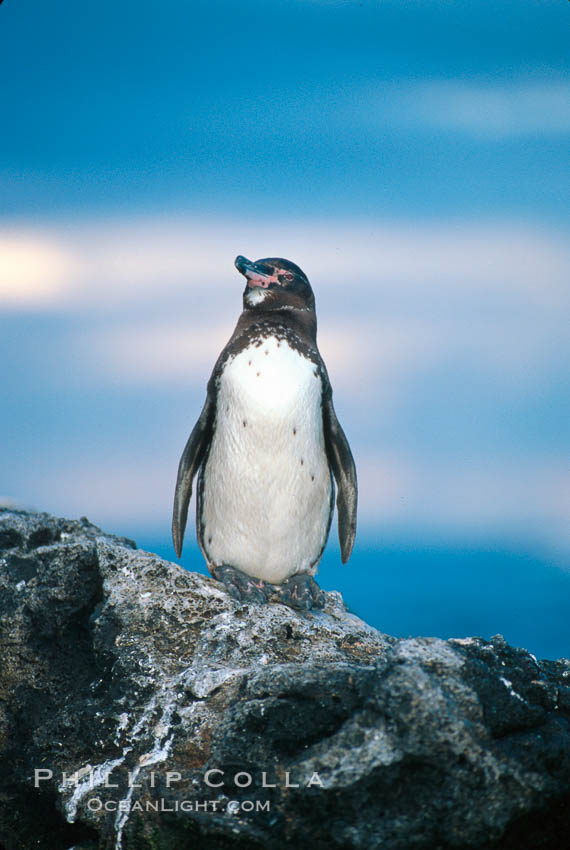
254	279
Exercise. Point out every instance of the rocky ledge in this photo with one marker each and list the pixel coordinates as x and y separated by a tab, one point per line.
141	707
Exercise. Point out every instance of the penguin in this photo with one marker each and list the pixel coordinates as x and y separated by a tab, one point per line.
267	449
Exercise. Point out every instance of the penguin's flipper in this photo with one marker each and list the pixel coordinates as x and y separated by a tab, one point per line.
342	464
192	457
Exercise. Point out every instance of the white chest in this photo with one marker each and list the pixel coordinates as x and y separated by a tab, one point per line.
272	385
265	503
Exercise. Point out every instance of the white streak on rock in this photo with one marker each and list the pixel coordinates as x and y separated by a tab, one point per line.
92	778
511	690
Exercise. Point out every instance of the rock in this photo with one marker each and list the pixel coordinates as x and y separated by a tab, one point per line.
153	711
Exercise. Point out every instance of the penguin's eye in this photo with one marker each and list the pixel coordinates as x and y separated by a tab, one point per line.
288	277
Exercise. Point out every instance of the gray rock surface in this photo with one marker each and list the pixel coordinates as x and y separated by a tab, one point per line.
120	669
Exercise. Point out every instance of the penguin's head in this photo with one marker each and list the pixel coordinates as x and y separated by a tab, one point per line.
274	283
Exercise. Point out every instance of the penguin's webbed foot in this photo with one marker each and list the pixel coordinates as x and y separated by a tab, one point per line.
302	592
240	586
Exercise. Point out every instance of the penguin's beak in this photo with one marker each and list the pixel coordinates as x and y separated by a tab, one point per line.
257	274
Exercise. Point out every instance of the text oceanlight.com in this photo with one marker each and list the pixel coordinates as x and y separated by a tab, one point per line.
96	804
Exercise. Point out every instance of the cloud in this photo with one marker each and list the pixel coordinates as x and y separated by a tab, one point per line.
482	110
36	269
524	498
133	262
156	352
109	490
151	301
489	111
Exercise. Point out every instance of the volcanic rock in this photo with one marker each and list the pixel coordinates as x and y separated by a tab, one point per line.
143	708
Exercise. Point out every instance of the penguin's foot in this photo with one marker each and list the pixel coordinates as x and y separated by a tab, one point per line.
300	591
240	586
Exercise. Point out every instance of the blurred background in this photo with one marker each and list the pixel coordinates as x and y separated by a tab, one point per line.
411	157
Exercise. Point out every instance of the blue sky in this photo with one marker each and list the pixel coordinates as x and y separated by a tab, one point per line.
410	156
364	107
